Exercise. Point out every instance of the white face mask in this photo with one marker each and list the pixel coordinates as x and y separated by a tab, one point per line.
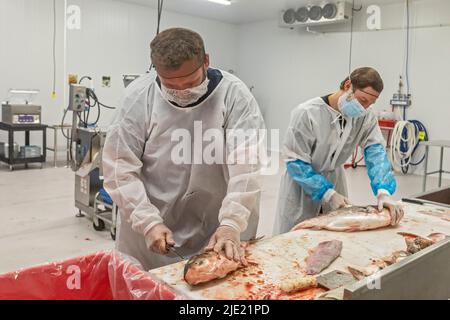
185	97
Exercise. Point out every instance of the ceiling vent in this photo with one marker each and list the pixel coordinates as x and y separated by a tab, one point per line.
313	15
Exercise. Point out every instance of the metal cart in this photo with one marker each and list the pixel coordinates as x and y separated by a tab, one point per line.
105	212
9	157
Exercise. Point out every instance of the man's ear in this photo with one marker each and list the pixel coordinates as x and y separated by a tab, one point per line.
206	60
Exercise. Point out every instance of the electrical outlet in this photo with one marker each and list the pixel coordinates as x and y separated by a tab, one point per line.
106	81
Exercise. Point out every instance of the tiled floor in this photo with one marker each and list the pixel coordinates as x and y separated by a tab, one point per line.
38	222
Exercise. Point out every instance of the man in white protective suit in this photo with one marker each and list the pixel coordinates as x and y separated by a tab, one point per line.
157	158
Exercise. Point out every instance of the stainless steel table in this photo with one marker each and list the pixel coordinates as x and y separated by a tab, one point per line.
440	144
67	128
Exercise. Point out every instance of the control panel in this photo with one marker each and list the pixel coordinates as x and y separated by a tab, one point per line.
77	98
26	119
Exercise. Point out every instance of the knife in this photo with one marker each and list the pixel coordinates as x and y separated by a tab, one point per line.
172	248
415	201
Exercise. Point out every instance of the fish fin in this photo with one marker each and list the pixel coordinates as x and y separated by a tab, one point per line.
356	273
408	235
380	263
300	226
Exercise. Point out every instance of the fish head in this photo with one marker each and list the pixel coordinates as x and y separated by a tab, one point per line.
201	263
208	266
415	243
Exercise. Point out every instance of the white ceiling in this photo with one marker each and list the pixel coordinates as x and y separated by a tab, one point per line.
240	11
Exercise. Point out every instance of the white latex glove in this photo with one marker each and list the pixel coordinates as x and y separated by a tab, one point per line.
395	209
159	239
335	200
227	239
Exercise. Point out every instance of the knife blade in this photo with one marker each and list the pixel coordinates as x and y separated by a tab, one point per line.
172	248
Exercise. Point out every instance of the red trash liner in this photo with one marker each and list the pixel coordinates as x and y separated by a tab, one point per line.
100	276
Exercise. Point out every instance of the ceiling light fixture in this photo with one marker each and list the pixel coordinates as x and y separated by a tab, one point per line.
224	2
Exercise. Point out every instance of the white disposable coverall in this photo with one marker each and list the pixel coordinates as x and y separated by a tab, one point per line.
191	199
315	136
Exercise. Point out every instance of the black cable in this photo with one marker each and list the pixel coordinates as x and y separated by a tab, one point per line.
80	119
90	95
88	113
54	48
62	123
98	104
84	77
84	119
160	8
351	40
70	147
105	106
98	113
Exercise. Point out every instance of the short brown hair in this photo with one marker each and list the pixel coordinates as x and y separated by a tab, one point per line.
172	47
365	77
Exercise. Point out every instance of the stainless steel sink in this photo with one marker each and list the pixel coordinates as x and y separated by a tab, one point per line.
439	197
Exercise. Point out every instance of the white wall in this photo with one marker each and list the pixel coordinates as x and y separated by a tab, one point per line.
117	36
287	67
114	39
26	34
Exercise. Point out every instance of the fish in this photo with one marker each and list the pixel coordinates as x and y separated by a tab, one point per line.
376	265
322	256
416	243
210	265
298	284
395	257
360	273
348	219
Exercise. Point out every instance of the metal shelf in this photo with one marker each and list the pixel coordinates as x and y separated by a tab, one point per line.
11	160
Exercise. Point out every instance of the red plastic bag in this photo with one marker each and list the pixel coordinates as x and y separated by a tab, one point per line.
99	276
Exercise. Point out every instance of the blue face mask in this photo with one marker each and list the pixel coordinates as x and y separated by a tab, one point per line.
350	107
